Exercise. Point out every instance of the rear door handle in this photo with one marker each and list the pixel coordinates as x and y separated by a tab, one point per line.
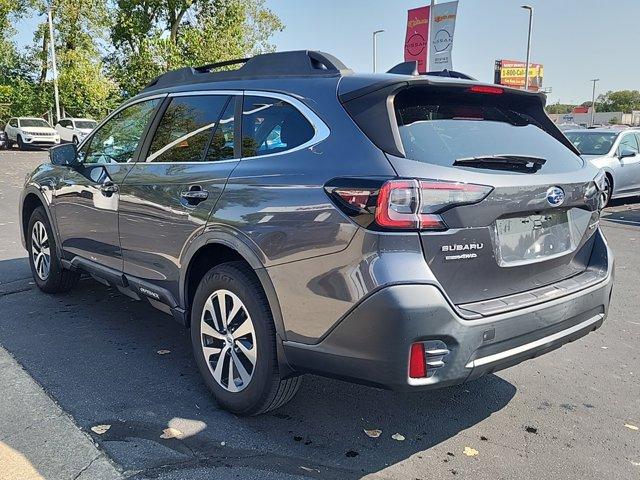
195	195
108	188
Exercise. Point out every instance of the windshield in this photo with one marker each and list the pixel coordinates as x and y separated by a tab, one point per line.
444	128
85	124
592	143
33	122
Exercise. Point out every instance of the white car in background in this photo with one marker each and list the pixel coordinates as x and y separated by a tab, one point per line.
29	131
75	129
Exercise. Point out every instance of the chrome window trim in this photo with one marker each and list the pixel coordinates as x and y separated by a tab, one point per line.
206	92
321	130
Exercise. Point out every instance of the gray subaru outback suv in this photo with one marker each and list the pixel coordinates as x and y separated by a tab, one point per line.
402	231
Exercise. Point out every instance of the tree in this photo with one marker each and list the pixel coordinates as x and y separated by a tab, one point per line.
621	101
560	108
154	36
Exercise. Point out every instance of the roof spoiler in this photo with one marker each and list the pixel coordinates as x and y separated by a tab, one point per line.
300	63
411	68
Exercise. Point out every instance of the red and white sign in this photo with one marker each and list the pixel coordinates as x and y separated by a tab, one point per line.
417	40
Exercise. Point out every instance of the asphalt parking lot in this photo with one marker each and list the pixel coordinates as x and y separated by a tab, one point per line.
568	414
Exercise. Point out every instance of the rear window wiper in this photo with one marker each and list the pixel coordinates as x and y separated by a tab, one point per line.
514	163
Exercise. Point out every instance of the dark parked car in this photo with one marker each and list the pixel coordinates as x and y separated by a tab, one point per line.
403	231
3	140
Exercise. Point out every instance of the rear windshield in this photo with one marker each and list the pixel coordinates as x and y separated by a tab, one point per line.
444	128
33	122
592	143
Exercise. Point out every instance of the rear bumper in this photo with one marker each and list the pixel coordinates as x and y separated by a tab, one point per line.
371	344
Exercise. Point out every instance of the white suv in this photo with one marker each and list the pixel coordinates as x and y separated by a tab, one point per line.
27	131
75	129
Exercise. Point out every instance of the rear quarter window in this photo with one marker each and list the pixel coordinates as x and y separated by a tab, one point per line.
270	125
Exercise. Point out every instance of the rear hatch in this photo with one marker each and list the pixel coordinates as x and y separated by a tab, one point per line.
533	221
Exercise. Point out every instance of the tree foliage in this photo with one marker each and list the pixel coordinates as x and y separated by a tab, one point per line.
621	101
110	49
154	36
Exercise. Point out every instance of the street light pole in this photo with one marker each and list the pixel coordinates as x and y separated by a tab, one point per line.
54	68
375	52
526	73
593	100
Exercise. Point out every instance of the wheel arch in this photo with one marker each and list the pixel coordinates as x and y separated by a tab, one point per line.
219	246
609	174
33	198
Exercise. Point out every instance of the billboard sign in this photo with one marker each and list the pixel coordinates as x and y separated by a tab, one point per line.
417	38
511	73
443	24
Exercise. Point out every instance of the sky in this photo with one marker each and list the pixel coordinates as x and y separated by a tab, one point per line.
576	40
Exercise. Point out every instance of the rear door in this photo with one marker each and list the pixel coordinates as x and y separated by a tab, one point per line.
166	198
629	171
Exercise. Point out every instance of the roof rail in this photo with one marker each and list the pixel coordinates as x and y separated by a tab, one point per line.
299	63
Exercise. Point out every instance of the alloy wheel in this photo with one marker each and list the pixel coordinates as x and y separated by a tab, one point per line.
228	340
40	250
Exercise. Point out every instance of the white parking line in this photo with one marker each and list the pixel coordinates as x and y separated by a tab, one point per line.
617	220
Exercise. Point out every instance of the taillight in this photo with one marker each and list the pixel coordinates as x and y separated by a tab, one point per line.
415	204
402	204
397	204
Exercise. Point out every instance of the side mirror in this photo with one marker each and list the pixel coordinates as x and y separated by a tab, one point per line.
65	154
626	153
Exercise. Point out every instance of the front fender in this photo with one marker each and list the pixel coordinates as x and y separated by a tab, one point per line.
44	195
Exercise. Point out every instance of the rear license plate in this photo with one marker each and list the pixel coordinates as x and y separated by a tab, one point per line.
532	238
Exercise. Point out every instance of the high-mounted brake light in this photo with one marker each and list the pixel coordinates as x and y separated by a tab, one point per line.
414	204
486	89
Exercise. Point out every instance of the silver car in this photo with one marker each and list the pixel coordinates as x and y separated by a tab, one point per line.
614	151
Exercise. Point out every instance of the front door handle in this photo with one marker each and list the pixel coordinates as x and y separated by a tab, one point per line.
108	188
195	195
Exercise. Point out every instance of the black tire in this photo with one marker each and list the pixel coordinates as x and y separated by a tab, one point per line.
59	279
266	390
608	191
21	144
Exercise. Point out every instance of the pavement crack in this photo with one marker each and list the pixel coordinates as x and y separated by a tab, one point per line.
85	468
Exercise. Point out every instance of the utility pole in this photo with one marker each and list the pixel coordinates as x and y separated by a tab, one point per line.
430	36
54	68
593	101
526	73
375	49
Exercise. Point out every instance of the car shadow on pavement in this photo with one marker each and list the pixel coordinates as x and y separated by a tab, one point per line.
108	360
623	212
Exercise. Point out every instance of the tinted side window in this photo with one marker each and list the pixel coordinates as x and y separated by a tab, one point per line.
13	122
116	141
628	141
186	128
272	126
